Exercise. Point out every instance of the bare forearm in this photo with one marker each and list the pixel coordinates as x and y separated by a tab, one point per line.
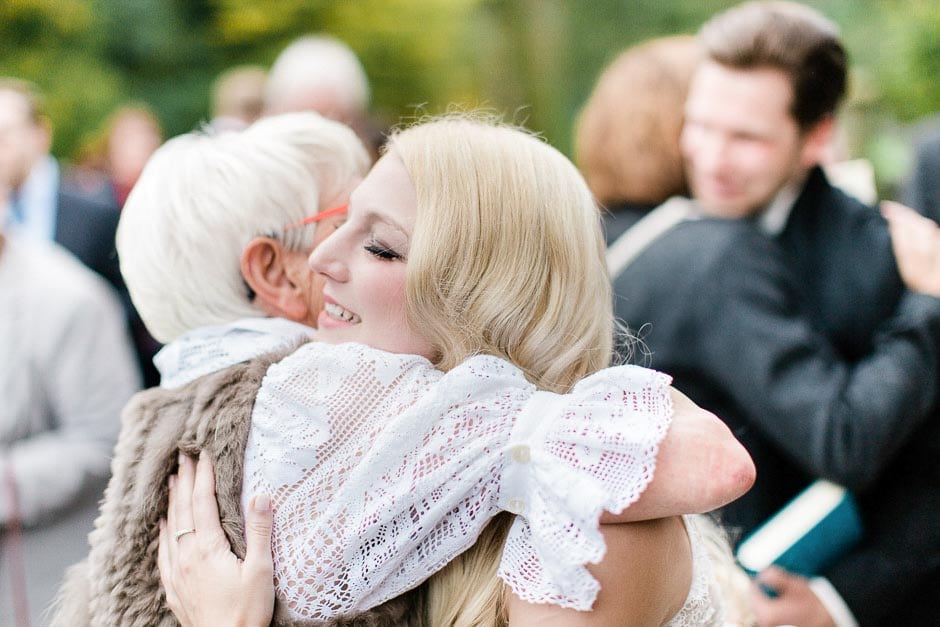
700	467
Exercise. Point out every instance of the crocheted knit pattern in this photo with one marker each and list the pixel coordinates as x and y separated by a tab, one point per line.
382	469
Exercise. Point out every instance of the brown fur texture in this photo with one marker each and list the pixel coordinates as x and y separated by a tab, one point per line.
118	584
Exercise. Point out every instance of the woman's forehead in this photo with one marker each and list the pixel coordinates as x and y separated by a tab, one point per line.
387	191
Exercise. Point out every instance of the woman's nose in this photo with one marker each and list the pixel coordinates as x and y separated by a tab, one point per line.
323	261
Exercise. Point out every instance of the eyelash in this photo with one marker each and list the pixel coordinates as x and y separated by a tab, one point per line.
381	252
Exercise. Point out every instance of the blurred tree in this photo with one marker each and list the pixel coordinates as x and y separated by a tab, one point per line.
55	44
534	60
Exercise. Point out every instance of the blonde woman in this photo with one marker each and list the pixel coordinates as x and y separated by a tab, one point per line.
467	242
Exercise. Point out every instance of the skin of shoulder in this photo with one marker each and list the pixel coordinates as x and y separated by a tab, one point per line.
645	578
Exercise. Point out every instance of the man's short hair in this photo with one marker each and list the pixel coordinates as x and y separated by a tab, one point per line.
790	37
35	103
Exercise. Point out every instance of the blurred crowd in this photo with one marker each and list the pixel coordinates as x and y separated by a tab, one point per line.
750	260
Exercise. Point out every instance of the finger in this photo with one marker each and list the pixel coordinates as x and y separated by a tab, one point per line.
183	503
163	565
165	568
891	209
758	596
258	524
776	578
171	514
163	559
205	508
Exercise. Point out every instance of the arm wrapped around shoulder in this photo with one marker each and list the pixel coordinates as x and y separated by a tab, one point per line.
700	467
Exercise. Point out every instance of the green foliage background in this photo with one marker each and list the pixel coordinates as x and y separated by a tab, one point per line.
534	60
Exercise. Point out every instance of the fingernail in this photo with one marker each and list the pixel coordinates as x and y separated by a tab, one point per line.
172	481
182	458
262	503
162	524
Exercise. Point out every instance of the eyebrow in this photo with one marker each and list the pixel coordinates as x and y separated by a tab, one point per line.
375	216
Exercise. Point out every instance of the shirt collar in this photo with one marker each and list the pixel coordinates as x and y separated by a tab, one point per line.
208	349
37	197
772	220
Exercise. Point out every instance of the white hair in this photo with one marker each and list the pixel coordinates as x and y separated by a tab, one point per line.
318	64
202	197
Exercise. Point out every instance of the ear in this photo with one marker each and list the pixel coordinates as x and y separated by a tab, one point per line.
264	266
817	142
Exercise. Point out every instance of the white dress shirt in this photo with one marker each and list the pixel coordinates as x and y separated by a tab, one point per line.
38	202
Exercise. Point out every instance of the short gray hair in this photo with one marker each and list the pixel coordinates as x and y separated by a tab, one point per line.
318	63
202	197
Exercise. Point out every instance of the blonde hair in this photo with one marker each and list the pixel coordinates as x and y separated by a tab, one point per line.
732	583
506	259
202	197
627	136
467	591
507	254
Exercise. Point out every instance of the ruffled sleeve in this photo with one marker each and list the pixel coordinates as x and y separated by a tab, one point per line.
569	458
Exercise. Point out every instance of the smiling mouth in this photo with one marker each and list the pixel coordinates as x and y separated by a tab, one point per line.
338	313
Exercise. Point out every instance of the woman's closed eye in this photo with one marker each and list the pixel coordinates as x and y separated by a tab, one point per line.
382	251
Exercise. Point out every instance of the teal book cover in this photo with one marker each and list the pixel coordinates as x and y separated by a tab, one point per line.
809	534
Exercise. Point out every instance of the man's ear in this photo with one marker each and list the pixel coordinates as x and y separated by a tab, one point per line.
264	268
817	142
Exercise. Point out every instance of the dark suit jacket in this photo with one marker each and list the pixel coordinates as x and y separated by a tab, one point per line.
86	226
763	333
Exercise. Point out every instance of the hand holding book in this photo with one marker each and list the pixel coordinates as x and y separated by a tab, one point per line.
809	534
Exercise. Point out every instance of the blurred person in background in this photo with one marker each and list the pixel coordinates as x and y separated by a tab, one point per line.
238	97
108	168
322	74
627	136
40	204
922	189
627	144
781	309
110	163
66	369
134	133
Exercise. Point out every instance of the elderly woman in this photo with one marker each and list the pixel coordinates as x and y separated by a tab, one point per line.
216	264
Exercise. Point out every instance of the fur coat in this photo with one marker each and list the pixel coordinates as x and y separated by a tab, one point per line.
118	584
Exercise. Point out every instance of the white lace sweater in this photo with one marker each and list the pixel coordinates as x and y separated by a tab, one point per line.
383	468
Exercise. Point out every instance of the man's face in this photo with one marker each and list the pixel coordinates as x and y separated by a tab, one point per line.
22	141
740	143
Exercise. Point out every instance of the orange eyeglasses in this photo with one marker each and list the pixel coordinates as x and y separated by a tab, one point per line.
318	216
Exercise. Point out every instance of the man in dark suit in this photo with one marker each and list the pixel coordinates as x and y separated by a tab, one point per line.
790	320
40	205
43	207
